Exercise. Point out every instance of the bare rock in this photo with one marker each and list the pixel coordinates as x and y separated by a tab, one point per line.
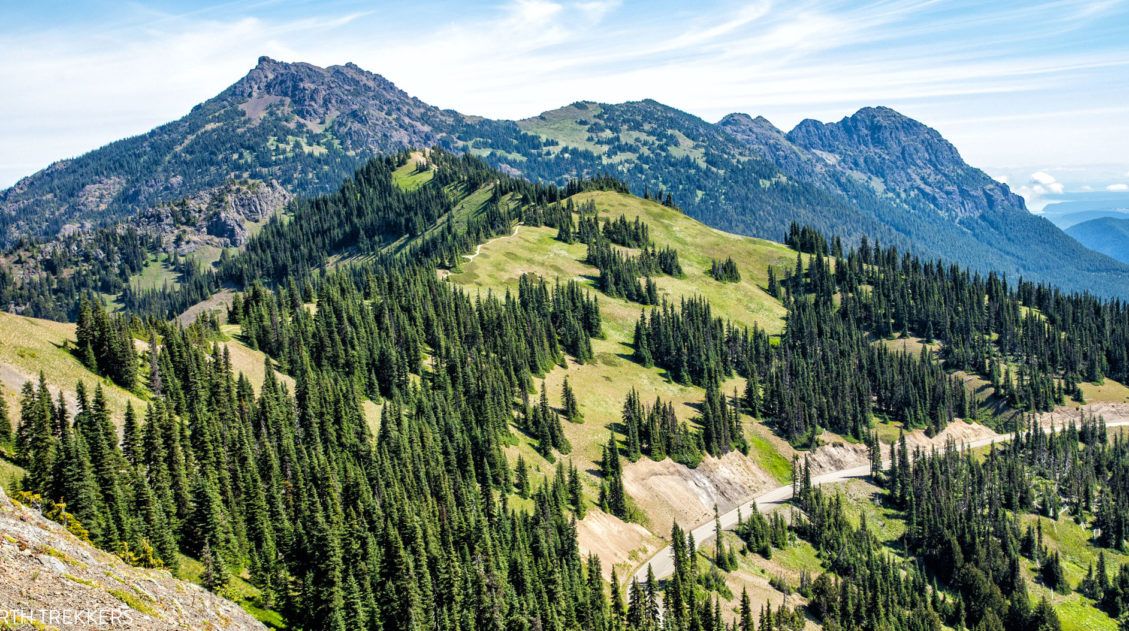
51	579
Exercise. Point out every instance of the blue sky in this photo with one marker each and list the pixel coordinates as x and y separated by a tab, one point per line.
1034	92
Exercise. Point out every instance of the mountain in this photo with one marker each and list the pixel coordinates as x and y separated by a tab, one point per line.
924	190
913	162
1072	208
297	124
710	173
1107	235
304	128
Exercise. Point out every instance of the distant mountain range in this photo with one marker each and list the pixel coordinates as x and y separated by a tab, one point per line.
1071	208
1108	235
876	173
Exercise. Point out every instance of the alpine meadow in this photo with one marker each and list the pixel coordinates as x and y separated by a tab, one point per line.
319	355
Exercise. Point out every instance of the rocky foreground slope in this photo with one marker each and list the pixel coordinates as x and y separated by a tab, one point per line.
51	579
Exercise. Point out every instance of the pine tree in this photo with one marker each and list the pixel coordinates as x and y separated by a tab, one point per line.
745	617
131	437
575	491
752	398
613	499
618	609
521	477
215	576
5	421
36	444
570	404
155	382
594	615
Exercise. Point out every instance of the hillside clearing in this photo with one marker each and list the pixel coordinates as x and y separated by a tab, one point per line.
30	345
664	491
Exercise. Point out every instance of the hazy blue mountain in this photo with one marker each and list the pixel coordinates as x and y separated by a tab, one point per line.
1067	209
1107	235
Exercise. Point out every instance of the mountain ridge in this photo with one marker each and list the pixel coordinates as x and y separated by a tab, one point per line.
875	173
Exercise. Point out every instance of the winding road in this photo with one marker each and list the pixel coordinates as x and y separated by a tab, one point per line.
662	563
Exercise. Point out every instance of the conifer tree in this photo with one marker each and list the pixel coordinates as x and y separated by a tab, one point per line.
745	617
570	404
5	421
613	499
521	477
575	491
131	437
215	576
36	444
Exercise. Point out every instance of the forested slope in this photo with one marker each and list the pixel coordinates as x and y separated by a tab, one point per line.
533	350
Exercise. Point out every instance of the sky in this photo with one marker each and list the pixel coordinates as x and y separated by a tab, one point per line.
1035	93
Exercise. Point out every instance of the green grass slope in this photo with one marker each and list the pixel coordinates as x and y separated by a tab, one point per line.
29	346
603	384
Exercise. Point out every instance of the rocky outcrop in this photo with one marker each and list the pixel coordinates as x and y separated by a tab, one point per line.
219	216
51	579
234	205
913	161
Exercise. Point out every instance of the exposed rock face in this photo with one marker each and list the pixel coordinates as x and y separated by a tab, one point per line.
765	139
218	216
97	196
223	212
366	110
258	202
911	159
49	576
227	227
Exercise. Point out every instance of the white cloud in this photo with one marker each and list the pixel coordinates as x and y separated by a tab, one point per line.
1117	188
1046	181
597	9
535	11
1037	187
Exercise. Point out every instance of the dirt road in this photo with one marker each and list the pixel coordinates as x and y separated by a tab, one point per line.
662	563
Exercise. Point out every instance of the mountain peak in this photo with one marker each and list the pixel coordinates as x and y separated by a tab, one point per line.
880	130
740	120
880	112
914	160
